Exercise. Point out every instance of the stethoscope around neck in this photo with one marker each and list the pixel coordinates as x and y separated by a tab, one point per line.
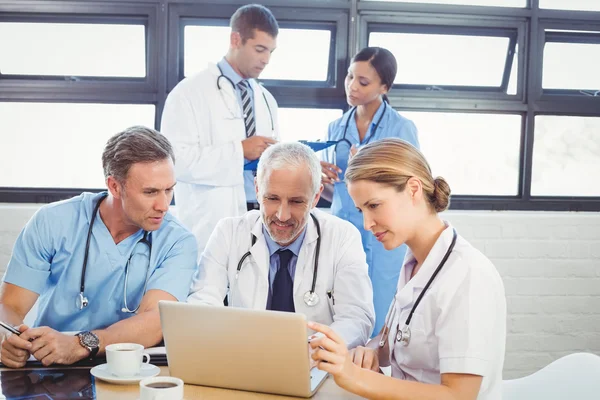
311	298
222	76
404	335
82	300
344	140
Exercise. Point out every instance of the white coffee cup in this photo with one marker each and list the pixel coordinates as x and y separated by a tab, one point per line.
125	359
161	388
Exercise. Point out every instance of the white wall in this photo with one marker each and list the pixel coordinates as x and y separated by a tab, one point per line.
550	263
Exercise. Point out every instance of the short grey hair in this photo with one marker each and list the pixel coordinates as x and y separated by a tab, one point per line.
285	155
137	144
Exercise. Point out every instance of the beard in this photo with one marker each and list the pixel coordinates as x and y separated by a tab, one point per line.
284	237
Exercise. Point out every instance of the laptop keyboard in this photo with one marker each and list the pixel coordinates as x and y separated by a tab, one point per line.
316	377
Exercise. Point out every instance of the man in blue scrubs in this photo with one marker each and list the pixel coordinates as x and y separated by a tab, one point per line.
136	252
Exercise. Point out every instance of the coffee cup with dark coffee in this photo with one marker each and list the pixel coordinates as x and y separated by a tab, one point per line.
161	388
125	359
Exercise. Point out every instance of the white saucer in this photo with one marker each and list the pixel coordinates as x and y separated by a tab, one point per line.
147	371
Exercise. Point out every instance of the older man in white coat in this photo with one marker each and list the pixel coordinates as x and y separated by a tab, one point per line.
219	120
290	256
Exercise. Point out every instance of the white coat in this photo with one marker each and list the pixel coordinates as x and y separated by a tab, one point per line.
206	128
460	324
342	270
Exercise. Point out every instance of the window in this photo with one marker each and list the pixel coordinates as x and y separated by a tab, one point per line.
450	60
306	123
497	3
478	154
72	49
301	54
583	5
59	145
198	51
565	156
572	66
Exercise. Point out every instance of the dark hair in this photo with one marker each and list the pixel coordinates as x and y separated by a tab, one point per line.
383	61
253	16
137	144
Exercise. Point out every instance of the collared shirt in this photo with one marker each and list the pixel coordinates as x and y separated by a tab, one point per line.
460	324
229	72
273	247
48	259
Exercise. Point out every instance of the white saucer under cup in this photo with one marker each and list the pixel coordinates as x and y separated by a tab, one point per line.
125	359
101	372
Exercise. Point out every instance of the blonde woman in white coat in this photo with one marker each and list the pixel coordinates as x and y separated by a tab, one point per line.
445	333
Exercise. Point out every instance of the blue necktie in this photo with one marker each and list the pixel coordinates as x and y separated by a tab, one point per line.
249	121
283	286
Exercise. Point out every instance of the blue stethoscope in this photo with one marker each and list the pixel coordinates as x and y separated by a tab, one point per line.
347	143
403	335
82	300
311	298
222	76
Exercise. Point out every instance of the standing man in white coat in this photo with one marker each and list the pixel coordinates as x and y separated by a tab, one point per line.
218	121
289	256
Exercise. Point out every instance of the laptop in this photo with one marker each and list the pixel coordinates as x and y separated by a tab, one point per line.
236	348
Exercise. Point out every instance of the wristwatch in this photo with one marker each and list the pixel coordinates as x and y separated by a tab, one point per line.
90	341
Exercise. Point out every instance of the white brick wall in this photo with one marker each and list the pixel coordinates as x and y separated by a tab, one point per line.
550	263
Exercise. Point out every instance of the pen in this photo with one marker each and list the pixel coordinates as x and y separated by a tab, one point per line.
9	328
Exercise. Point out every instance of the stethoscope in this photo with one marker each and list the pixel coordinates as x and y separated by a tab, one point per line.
311	298
403	335
347	142
233	86
82	301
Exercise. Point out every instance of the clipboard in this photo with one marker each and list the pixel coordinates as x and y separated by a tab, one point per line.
251	166
316	146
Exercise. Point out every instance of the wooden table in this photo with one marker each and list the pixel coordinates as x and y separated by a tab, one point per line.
106	391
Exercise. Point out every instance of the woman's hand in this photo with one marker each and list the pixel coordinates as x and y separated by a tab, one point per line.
366	358
330	173
332	356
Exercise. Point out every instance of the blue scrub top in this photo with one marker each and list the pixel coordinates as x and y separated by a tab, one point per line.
384	265
48	258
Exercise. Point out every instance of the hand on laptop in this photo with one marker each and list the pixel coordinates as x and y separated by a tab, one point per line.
331	354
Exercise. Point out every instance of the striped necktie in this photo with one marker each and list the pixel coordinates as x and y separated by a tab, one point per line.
249	120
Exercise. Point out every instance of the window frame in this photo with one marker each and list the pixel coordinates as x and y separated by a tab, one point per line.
75	12
447	31
403	22
352	18
592	36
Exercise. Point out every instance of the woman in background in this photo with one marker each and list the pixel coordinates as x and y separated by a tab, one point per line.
370	77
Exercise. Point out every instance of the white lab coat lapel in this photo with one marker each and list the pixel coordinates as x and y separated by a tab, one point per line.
227	91
260	255
410	289
305	263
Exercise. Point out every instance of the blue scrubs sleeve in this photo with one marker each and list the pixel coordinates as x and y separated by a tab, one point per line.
29	266
174	274
409	133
